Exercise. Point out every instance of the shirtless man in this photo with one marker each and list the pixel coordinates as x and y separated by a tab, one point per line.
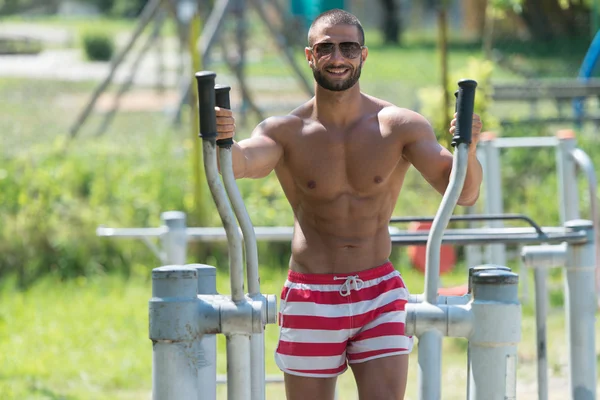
341	159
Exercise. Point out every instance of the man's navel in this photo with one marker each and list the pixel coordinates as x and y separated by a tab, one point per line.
311	184
378	179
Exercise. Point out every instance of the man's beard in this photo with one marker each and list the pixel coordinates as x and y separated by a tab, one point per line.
337	86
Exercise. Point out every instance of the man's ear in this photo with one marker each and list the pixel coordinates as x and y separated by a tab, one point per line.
365	53
308	55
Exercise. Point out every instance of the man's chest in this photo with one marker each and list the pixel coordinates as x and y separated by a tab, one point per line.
358	161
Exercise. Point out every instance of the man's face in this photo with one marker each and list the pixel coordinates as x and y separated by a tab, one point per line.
336	56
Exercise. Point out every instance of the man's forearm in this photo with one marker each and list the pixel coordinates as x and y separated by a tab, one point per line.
238	159
470	192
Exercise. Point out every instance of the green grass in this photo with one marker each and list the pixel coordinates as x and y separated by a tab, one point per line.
88	339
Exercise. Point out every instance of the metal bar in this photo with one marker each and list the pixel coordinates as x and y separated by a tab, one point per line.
475	217
541	313
399	237
514	142
449	200
416	239
585	164
238	367
430	365
207	374
175	360
174	241
257	341
496	333
567	177
494	204
257	346
133	233
580	308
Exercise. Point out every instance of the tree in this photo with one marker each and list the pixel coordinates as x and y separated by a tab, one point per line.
390	22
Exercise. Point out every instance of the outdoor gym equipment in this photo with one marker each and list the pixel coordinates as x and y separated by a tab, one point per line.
186	312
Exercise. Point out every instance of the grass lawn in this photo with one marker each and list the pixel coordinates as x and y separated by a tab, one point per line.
88	339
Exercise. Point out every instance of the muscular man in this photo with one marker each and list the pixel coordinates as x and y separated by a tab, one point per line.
341	159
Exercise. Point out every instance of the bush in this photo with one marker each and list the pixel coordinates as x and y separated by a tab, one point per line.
98	46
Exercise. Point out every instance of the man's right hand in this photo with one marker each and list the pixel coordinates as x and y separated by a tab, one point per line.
225	123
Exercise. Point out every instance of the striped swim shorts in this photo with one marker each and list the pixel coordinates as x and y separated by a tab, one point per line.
329	320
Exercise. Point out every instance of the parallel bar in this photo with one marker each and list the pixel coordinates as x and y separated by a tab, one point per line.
451	236
508	142
416	239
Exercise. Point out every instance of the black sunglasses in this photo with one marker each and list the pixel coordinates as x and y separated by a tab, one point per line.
350	50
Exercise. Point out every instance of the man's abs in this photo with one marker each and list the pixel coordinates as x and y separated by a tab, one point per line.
341	250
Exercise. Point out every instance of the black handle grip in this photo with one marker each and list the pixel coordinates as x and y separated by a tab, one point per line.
465	103
206	104
222	101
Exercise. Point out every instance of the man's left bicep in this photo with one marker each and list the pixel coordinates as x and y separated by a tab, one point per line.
432	160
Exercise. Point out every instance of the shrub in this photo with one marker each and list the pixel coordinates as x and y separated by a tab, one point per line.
98	45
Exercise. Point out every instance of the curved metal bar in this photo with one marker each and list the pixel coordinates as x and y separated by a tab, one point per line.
434	241
584	162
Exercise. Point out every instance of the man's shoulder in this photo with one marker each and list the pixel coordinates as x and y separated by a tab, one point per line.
278	125
401	118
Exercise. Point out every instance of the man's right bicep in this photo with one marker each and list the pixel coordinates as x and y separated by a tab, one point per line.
261	155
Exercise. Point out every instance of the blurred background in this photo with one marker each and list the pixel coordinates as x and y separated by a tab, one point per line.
98	119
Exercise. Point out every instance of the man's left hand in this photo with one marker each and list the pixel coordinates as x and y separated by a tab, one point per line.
476	130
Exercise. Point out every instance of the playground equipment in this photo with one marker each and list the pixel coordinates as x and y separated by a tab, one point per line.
197	48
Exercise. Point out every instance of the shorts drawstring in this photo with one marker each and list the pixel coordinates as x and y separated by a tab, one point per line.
352	282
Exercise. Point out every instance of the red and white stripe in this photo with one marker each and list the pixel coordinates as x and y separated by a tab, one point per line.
322	330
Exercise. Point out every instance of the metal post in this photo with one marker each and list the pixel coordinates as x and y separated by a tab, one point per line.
207	376
567	176
540	258
495	253
176	355
174	240
472	271
496	332
580	306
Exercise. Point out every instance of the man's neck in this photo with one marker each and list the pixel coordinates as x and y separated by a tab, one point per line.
337	108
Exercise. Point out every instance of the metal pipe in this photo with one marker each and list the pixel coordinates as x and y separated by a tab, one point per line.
238	344
541	313
208	130
174	240
495	253
434	241
207	375
540	258
430	342
238	367
175	358
496	333
430	365
257	341
585	164
567	177
580	307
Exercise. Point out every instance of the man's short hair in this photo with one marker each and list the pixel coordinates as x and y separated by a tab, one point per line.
337	16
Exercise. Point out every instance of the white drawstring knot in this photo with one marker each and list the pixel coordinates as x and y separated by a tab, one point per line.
352	282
